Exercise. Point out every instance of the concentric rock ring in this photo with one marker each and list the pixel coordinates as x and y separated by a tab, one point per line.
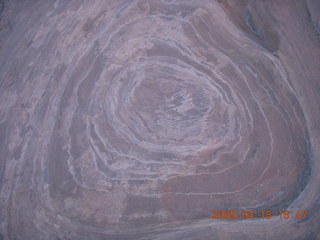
144	117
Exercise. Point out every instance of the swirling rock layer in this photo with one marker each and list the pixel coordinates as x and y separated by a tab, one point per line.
137	119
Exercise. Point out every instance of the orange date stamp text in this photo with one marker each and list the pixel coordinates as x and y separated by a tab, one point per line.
266	214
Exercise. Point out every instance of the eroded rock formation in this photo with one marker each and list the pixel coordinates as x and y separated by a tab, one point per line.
137	119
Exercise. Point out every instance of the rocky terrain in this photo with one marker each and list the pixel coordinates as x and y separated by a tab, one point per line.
135	119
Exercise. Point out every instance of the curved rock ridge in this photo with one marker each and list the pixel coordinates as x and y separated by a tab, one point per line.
137	119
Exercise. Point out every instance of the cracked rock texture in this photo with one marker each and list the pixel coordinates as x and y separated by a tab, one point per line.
136	119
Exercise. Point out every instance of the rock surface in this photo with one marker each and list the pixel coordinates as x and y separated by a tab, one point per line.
136	119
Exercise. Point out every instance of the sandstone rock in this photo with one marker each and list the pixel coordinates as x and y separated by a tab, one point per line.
137	119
